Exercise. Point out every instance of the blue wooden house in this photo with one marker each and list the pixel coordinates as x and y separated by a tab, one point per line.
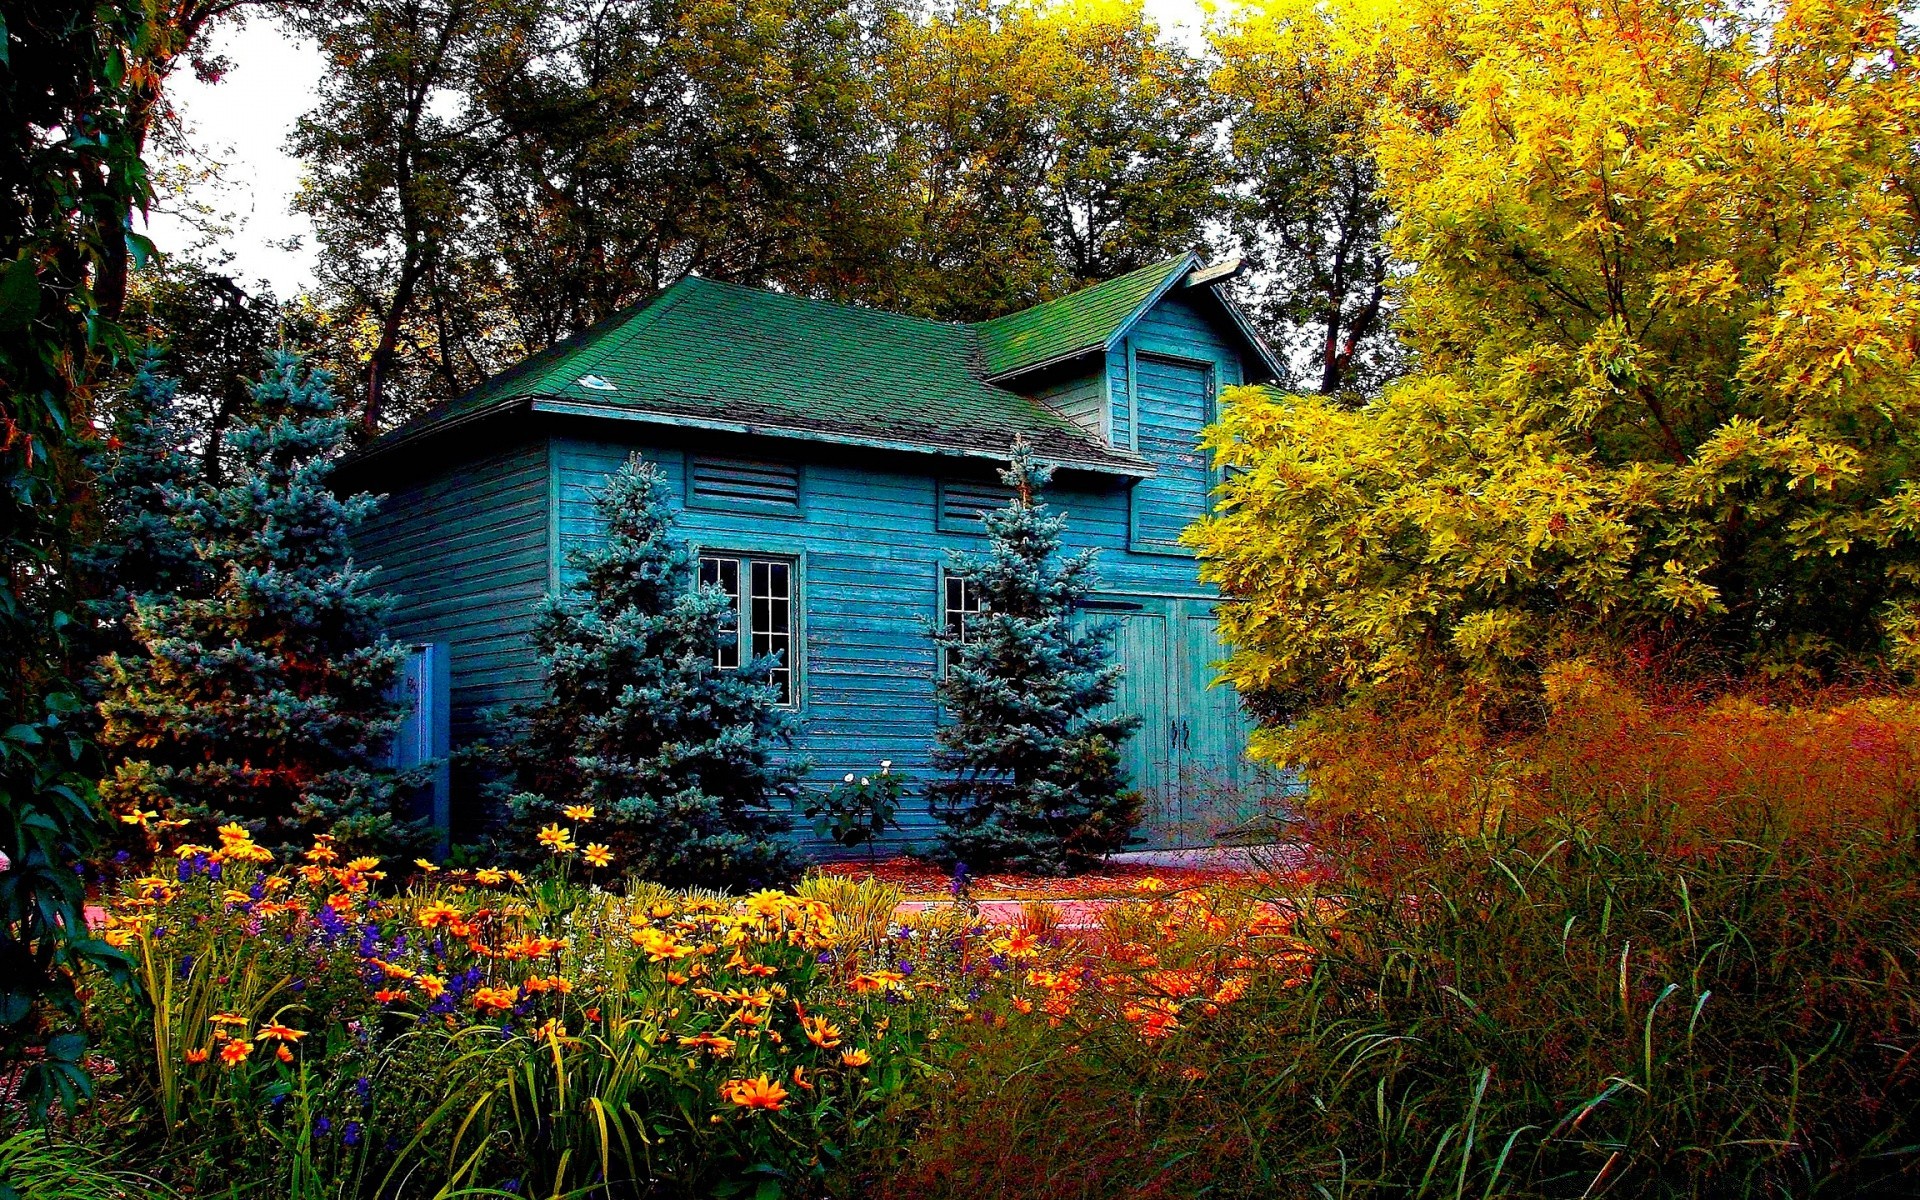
831	459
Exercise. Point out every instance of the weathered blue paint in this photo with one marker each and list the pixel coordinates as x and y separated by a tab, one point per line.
471	540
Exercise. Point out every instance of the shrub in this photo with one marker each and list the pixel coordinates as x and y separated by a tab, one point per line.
858	813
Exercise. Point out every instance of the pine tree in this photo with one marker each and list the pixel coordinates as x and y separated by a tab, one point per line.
264	700
673	753
141	548
1036	781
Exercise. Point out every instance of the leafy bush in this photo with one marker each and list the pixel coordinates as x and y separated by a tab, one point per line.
856	813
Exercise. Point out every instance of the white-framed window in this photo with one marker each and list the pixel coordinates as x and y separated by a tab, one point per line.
960	601
763	590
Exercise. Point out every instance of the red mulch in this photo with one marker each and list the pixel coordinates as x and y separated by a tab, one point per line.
923	880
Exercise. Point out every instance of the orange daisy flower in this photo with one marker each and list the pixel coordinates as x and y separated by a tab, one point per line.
821	1032
761	1093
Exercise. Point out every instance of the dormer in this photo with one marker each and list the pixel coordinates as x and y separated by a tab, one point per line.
1078	353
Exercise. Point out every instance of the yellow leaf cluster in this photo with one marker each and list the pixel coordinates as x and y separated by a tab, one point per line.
1663	305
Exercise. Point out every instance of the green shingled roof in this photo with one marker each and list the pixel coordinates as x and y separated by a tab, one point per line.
719	355
1076	323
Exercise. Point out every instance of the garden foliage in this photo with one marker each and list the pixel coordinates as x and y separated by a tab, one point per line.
1661	297
262	698
640	724
311	1035
1035	780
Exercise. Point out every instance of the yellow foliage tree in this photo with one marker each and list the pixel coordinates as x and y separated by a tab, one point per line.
1663	301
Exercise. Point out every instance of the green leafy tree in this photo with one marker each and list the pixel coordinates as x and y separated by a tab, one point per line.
1033	150
674	754
71	81
1035	780
213	335
1304	84
488	177
264	699
1663	305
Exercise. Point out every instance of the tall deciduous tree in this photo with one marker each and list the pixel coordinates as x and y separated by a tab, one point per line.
490	176
1034	776
672	752
264	699
392	153
1305	83
1664	304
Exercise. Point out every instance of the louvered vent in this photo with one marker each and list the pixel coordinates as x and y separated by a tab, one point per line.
717	482
963	502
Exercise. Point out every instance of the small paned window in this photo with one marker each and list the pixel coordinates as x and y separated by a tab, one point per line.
763	613
959	604
724	573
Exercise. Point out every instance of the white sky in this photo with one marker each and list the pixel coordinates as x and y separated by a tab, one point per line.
243	123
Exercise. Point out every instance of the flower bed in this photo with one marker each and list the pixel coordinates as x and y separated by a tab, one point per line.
310	1030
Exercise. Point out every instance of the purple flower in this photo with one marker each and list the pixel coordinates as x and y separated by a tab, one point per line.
363	1088
186	966
259	889
321	1126
350	1134
122	858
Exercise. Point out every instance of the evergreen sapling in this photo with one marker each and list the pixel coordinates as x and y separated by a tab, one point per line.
673	753
1035	780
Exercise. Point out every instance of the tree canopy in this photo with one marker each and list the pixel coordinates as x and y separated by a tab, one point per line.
1662	297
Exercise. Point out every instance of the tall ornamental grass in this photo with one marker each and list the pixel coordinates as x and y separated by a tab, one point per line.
1675	973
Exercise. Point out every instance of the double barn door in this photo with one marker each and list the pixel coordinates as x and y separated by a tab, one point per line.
1188	758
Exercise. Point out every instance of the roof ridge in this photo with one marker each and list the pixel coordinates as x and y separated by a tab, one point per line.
845	305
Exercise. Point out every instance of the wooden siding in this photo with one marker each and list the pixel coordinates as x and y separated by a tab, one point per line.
1176	359
1082	400
465	551
870	550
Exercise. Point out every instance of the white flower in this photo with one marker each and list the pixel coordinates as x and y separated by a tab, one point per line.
6	864
849	778
864	781
886	765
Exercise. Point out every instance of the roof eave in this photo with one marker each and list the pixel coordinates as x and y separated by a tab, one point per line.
574	408
1188	263
409	434
1244	324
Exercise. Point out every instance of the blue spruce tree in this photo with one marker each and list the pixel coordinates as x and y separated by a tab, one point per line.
1035	778
264	697
674	754
141	548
